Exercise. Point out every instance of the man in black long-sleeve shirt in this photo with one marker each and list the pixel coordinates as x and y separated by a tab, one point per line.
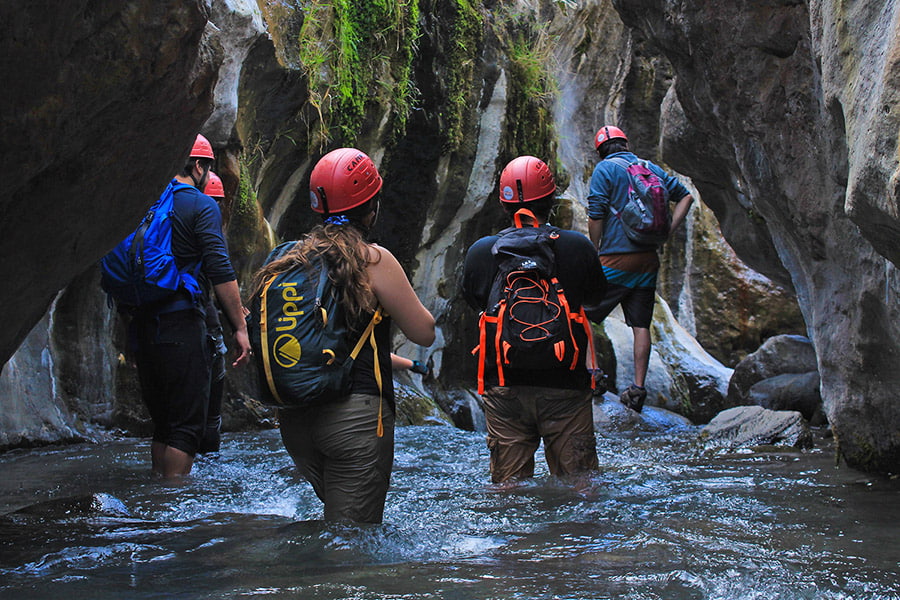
172	353
553	404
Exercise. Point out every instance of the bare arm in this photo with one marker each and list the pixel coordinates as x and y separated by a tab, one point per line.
400	362
595	231
394	292
681	210
229	296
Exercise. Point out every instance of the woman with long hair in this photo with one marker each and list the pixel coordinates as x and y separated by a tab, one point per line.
345	447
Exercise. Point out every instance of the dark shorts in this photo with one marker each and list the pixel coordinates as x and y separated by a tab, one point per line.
637	304
519	417
173	361
335	447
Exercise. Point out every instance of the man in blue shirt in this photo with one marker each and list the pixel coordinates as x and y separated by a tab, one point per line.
630	268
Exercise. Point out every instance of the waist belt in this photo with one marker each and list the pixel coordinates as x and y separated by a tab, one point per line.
169	305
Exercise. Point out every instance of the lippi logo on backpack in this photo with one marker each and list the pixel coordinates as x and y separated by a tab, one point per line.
289	308
286	350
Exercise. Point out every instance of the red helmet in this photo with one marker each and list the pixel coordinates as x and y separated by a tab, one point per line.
202	148
606	133
524	179
343	179
214	187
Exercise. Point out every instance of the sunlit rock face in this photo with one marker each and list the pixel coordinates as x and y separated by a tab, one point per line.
101	103
795	104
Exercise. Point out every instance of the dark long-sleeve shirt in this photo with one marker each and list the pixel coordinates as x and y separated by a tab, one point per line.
581	276
197	236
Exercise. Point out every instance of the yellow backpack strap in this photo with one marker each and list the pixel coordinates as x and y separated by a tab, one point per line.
264	339
369	334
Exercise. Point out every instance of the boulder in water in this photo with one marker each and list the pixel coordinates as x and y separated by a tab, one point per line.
791	391
611	417
778	355
750	426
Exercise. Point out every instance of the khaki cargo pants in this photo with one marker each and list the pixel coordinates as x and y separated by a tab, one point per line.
335	447
518	417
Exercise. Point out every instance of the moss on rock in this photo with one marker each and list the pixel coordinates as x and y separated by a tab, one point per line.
358	54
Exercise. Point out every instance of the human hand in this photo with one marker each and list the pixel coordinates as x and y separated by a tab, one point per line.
243	344
418	367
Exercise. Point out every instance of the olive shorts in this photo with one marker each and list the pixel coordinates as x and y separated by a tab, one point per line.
335	447
518	417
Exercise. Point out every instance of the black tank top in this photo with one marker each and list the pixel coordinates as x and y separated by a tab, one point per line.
363	372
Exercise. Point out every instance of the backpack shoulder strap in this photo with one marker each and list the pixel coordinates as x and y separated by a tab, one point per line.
264	333
369	335
622	162
178	186
524	212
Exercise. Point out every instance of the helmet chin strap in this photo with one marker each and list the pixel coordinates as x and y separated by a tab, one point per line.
377	211
197	184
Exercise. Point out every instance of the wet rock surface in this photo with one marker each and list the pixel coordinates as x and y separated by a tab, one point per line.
791	391
612	418
790	132
752	426
101	107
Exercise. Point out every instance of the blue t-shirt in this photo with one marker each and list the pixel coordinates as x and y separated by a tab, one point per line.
609	186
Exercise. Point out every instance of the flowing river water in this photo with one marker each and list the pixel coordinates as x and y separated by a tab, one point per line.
660	520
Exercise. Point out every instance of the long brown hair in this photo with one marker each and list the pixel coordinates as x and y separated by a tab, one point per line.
346	253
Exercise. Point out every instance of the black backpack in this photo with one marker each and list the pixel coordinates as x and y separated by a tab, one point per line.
300	339
528	323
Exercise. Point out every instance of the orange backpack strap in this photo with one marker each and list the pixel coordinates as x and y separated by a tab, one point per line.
498	348
570	317
481	350
591	362
524	212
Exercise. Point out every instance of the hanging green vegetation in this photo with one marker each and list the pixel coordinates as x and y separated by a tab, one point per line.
465	38
533	88
245	215
356	54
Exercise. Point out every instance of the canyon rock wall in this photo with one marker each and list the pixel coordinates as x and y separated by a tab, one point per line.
100	107
794	104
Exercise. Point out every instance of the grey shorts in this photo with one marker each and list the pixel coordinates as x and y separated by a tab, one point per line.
335	447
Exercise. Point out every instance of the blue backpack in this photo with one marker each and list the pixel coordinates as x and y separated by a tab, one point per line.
141	270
